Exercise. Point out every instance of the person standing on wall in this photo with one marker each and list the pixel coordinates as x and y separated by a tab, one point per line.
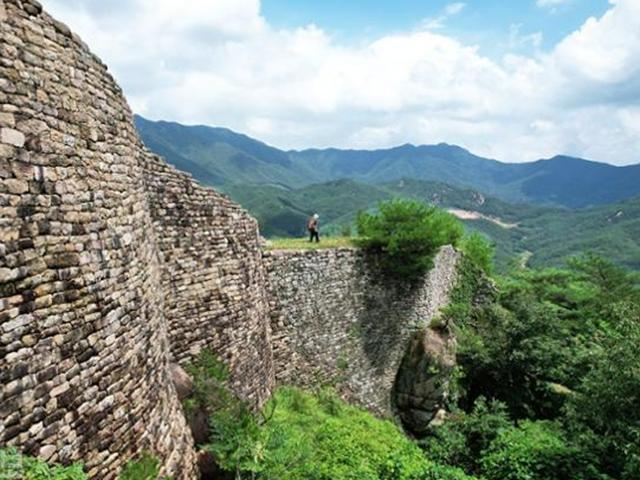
312	226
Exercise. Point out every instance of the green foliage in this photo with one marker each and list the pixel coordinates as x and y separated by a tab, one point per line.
461	440
147	467
479	250
604	410
209	377
342	363
13	465
305	436
327	439
559	348
408	234
533	450
236	439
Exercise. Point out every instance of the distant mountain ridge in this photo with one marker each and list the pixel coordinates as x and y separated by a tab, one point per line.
221	157
543	235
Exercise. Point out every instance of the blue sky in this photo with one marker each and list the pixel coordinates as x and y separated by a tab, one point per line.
511	80
487	23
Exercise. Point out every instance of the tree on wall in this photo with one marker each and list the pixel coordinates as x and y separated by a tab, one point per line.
407	234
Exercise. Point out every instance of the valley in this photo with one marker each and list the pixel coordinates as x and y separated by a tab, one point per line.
550	209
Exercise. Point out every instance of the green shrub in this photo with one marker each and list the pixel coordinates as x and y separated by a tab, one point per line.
146	467
210	390
479	250
407	234
318	437
331	440
534	450
13	465
461	440
236	439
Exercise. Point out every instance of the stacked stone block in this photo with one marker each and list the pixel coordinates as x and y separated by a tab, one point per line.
113	264
213	281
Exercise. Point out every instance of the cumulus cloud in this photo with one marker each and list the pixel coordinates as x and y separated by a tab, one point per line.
219	62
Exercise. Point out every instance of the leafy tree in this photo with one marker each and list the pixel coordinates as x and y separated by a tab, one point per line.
479	250
408	234
461	440
604	411
534	451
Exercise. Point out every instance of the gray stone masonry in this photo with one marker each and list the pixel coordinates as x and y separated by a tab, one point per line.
114	264
335	319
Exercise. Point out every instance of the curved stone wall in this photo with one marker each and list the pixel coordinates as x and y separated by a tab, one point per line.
335	319
212	278
83	338
113	264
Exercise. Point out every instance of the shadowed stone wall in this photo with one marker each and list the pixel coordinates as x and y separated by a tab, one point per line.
111	263
212	278
335	319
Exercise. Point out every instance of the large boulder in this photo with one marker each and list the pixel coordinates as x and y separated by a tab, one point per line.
423	380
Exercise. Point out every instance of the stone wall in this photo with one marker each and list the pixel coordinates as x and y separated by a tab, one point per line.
212	278
113	264
334	318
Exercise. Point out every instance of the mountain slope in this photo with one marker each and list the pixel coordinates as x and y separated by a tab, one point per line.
551	235
219	157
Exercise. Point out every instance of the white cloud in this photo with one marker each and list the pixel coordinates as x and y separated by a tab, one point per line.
454	8
450	10
517	39
219	62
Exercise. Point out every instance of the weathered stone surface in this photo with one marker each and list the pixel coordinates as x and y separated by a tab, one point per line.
212	278
83	334
114	265
11	137
422	383
334	318
181	380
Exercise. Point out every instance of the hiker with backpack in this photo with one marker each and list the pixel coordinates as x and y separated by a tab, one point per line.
312	226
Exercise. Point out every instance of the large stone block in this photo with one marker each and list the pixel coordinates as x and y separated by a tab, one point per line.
11	137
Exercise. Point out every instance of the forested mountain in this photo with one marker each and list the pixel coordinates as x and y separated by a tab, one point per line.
541	212
540	235
220	157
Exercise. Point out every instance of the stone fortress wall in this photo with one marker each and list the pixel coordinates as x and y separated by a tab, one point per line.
114	264
212	278
336	320
104	277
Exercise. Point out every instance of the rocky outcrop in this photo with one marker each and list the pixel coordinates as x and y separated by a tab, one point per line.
422	383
